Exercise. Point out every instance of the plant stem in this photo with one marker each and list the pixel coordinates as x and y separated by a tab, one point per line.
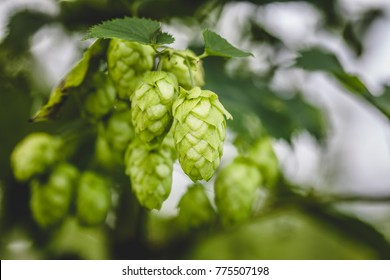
203	55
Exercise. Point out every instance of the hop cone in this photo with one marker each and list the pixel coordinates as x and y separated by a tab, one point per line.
150	172
106	157
34	155
100	96
93	199
195	209
186	66
151	107
199	130
127	62
119	130
263	154
50	202
235	190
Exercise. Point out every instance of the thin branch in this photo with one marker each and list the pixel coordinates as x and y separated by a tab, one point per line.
355	198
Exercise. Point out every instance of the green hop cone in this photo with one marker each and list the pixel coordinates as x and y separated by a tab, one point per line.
105	156
151	106
185	65
34	155
119	130
150	173
199	130
127	62
50	201
263	154
93	199
195	209
235	190
100	96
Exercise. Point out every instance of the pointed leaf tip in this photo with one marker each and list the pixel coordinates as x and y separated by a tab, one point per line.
215	45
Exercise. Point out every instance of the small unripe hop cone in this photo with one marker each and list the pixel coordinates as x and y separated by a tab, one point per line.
50	201
100	96
199	130
93	199
235	190
195	209
151	107
35	154
127	62
185	65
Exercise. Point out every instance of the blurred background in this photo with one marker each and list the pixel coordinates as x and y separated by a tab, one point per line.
332	145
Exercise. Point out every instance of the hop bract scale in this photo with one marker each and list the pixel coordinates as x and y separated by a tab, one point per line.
185	65
127	62
151	106
199	131
235	190
150	172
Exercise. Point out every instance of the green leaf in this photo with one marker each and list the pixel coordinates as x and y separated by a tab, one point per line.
383	101
352	83
317	59
141	30
215	45
73	79
281	117
164	38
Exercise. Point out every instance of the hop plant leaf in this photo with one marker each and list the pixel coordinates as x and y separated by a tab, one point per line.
199	130
185	65
141	30
73	79
151	106
195	209
35	154
127	62
150	172
215	45
93	199
50	201
235	190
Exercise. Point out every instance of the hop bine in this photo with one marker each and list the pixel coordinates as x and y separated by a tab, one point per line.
151	106
127	62
199	130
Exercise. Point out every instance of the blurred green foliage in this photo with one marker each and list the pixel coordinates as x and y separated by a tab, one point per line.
291	225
